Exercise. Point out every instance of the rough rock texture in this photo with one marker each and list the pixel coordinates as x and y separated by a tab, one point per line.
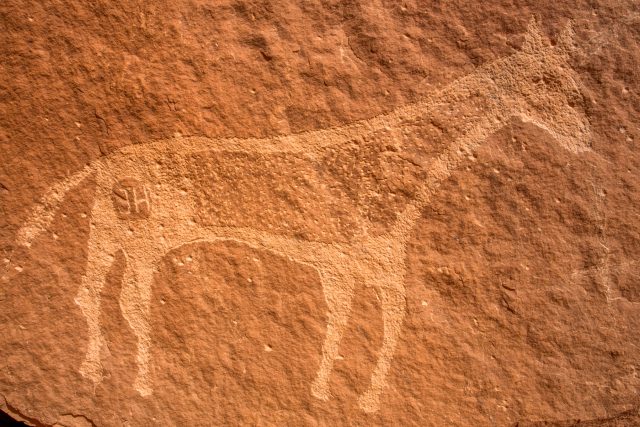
507	268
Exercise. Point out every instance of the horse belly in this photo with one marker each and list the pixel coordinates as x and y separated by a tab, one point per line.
280	193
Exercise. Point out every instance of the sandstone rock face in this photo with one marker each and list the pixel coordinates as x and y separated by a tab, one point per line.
320	213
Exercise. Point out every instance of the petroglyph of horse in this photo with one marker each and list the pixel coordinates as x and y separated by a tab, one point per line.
317	198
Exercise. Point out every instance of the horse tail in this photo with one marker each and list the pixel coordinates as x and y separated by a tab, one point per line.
44	211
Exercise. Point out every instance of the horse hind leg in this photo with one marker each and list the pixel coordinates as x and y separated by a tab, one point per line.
135	301
99	261
392	295
338	292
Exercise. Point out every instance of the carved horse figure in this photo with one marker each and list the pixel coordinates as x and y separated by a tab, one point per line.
152	198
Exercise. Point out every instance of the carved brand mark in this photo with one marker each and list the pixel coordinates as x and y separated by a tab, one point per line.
131	199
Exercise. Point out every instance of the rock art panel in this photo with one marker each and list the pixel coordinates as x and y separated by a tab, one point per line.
174	175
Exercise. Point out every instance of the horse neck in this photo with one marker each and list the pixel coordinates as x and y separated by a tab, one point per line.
463	148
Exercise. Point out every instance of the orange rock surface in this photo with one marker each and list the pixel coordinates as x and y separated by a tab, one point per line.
320	213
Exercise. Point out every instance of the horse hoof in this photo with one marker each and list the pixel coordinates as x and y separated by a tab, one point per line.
320	391
369	402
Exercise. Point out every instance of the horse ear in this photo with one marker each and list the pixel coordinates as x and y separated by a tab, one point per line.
533	41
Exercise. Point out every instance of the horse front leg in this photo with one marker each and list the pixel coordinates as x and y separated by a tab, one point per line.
135	300
338	292
393	299
99	260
